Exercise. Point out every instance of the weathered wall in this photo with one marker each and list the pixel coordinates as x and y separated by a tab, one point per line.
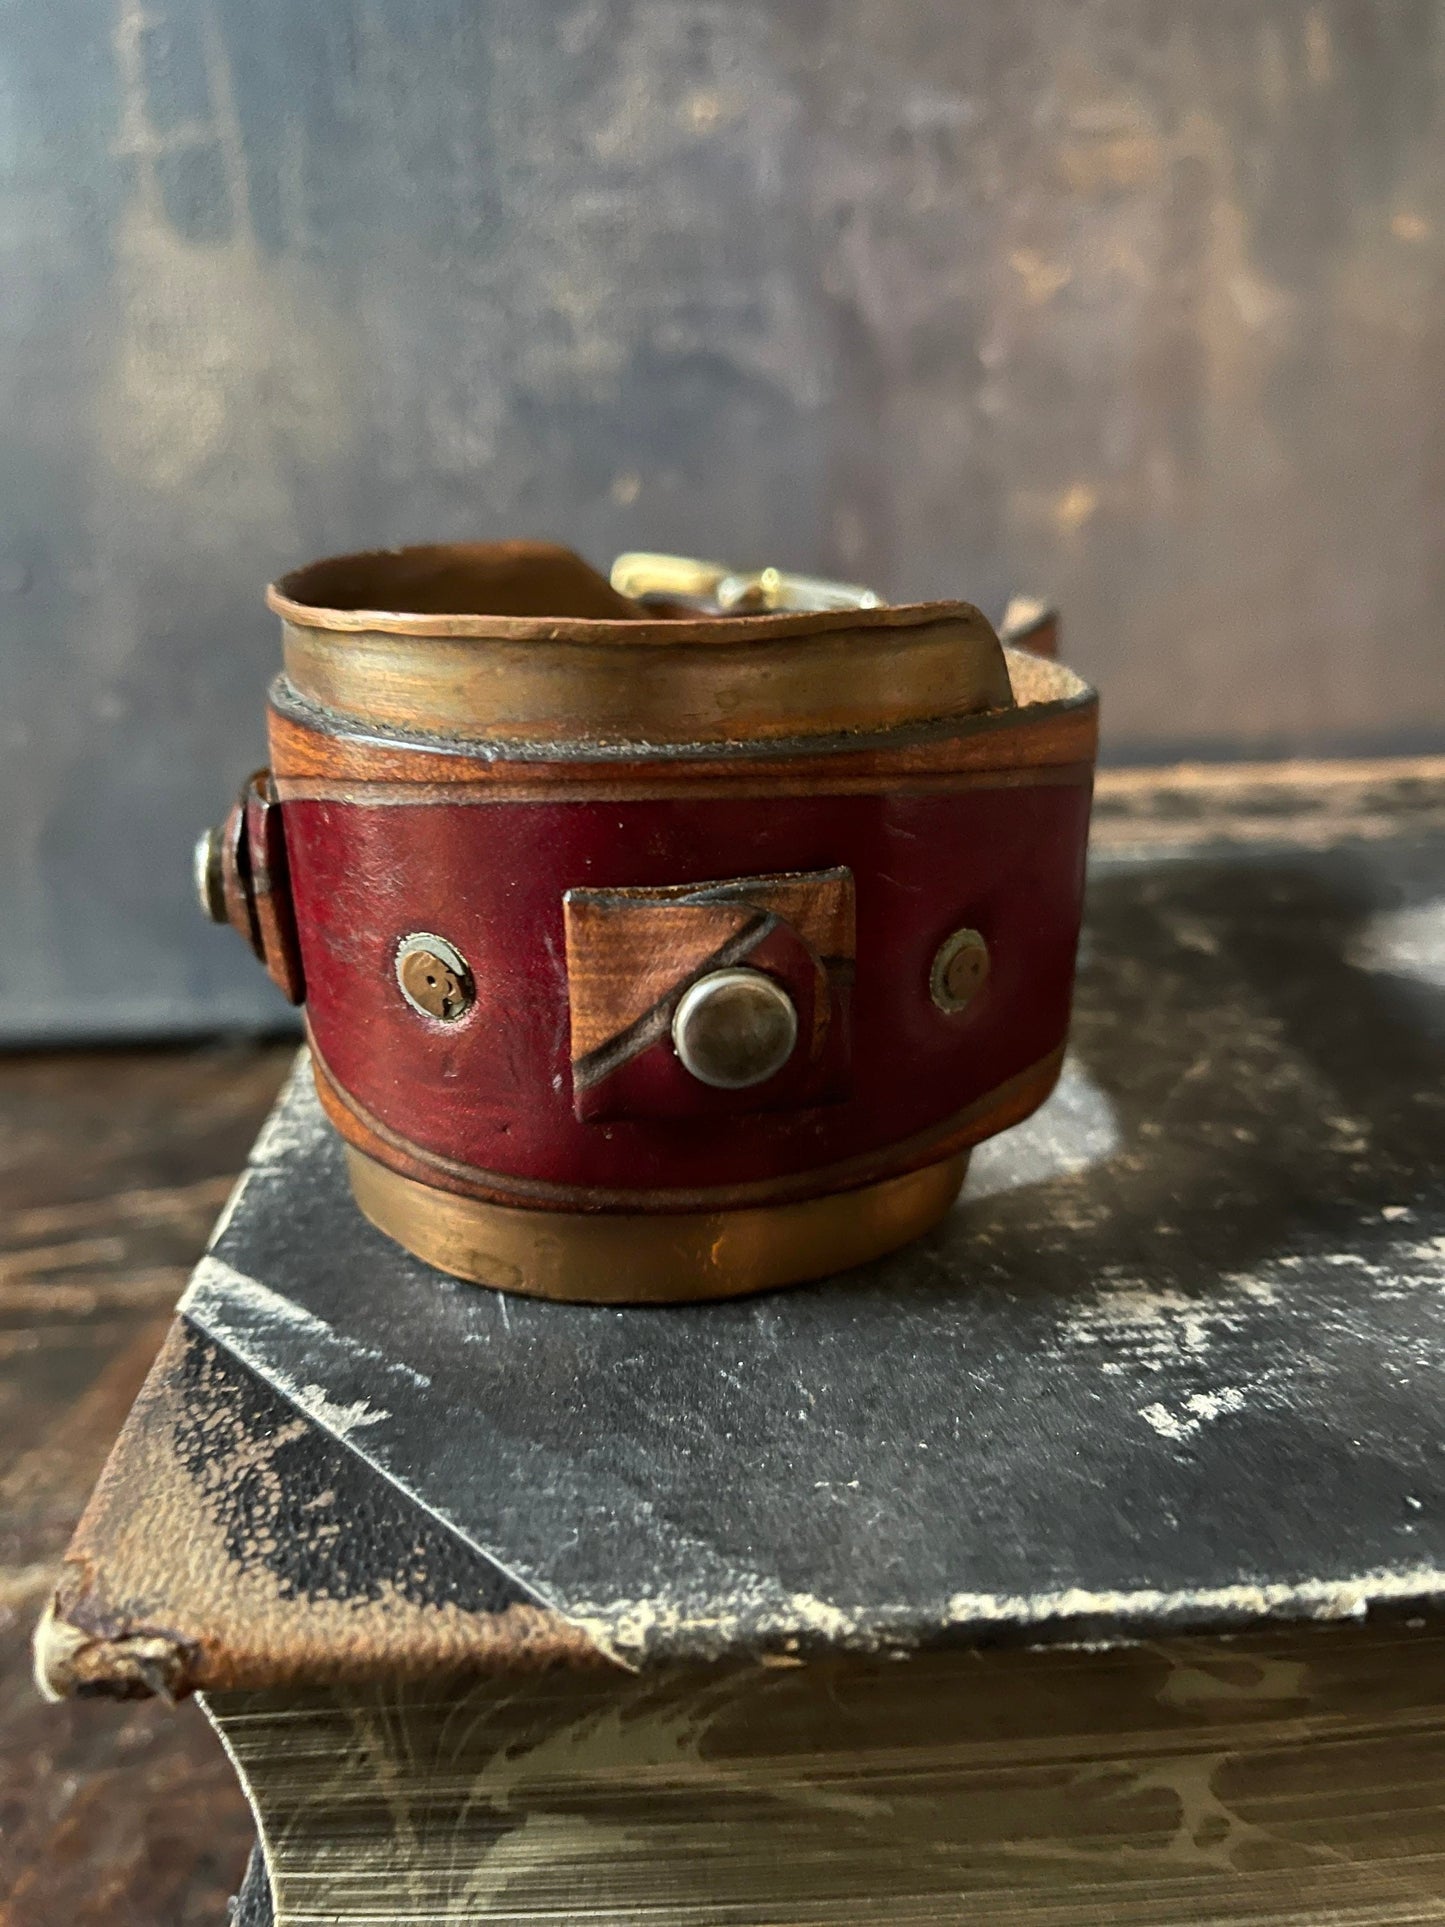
1141	304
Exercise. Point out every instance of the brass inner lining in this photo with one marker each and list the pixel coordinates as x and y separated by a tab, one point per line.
525	642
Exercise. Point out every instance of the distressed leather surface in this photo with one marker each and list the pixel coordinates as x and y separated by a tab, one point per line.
493	1094
231	1542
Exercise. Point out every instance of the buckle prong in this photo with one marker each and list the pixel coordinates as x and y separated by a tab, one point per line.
719	590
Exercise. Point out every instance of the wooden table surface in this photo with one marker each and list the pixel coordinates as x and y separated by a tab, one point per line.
113	1166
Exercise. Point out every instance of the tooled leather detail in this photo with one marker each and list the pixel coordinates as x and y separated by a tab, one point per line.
1007	1104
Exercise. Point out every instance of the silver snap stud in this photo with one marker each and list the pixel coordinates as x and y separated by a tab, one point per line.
734	1028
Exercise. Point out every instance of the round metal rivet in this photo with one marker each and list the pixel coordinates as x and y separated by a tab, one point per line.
434	977
735	1028
960	970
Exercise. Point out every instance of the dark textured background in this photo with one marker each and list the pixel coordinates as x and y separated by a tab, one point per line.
1141	305
112	1166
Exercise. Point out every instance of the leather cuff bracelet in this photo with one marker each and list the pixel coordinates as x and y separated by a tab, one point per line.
665	939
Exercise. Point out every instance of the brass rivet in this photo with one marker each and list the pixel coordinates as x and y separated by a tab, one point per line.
960	970
434	977
735	1028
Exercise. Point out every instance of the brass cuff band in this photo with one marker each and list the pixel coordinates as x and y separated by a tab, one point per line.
392	640
652	1257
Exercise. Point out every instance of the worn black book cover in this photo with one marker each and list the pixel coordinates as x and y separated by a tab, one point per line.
1174	1365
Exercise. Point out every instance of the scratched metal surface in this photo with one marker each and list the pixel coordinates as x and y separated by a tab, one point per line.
1139	305
1177	1358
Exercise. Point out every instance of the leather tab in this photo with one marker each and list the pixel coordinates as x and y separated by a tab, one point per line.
632	954
273	916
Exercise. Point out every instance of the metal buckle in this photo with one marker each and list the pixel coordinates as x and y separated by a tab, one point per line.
719	590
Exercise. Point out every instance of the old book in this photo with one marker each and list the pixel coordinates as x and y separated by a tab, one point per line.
1082	1563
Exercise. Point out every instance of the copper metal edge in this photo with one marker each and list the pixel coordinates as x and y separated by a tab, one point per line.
563	658
645	629
651	1257
615	684
403	639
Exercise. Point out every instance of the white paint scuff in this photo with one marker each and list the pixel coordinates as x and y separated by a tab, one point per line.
1346	1597
1197	1410
760	1611
1155	1326
343	1420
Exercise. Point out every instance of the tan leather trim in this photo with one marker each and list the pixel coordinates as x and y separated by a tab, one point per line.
1007	1104
568	789
1051	736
